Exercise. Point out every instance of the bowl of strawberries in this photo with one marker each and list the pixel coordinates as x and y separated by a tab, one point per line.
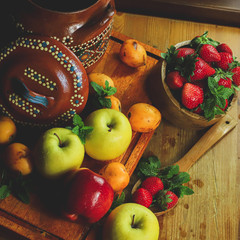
199	82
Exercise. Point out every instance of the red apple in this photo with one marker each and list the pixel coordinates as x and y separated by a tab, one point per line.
88	195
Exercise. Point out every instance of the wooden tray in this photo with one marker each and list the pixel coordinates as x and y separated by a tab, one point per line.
36	220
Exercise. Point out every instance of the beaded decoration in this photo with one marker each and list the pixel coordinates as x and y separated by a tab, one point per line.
27	102
89	52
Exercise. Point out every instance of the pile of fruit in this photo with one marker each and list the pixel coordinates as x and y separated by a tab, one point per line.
57	156
203	75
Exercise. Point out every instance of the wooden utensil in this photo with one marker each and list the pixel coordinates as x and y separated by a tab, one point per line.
211	137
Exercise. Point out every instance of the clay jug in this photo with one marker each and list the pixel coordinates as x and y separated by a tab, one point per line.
83	26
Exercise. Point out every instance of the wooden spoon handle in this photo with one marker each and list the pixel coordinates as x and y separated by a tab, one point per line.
213	135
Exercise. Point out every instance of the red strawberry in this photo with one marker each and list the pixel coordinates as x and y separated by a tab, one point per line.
173	201
152	184
202	70
223	47
142	196
174	80
209	53
236	75
225	82
226	59
183	52
166	199
192	95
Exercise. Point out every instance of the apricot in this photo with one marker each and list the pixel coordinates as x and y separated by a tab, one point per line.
116	175
116	104
7	130
133	53
100	79
144	117
17	158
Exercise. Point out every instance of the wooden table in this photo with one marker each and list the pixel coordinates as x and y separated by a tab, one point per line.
212	213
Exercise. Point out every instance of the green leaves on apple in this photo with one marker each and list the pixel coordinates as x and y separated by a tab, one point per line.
79	128
172	179
99	99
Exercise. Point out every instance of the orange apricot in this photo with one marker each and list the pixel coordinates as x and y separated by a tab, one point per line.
100	79
7	130
116	104
17	158
144	117
133	53
116	175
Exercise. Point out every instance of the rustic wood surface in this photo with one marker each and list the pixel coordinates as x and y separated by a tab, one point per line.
223	12
212	213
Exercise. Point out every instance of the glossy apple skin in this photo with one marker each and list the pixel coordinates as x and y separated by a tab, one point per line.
118	224
89	195
53	161
111	135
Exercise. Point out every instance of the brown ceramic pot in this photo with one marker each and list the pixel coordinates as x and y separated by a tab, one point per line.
83	26
43	83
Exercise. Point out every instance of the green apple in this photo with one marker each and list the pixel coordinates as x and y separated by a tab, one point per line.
111	135
131	221
58	151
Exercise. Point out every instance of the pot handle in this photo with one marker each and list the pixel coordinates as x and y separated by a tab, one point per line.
22	90
104	17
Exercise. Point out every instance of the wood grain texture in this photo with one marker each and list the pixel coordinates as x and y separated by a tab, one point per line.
221	12
212	213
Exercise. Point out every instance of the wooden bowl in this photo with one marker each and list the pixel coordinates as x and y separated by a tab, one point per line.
169	106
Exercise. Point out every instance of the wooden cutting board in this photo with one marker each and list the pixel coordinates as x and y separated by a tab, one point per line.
38	220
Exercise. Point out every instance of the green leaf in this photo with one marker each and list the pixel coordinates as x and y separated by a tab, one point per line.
83	132
197	42
77	120
169	172
149	166
163	55
221	102
105	102
182	190
5	191
79	128
109	90
103	92
182	177
76	130
98	89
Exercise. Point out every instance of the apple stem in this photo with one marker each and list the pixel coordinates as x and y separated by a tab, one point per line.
60	142
110	127
132	225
